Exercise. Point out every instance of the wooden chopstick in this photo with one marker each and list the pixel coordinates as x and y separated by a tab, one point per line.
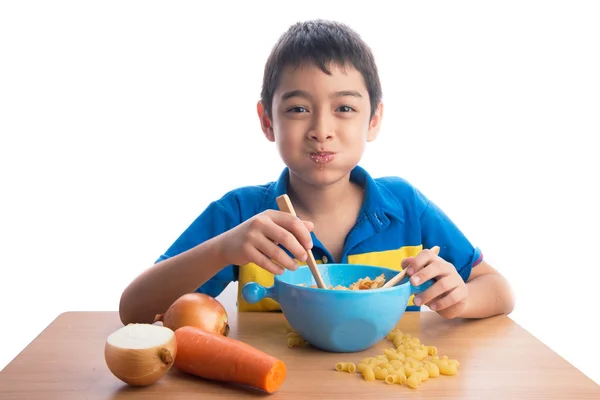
400	275
284	203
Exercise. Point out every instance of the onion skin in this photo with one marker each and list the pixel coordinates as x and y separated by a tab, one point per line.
141	367
198	310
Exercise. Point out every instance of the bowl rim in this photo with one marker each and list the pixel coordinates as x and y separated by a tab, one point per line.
397	286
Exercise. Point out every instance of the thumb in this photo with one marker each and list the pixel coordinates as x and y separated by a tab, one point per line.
406	262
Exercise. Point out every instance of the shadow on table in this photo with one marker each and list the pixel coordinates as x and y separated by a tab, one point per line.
179	383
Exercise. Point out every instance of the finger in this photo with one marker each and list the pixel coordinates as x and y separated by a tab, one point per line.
434	270
294	231
264	262
438	289
420	261
300	229
275	253
453	297
273	225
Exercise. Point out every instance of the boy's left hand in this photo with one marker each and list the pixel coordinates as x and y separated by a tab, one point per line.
448	295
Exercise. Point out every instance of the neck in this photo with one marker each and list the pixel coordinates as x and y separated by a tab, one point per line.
314	202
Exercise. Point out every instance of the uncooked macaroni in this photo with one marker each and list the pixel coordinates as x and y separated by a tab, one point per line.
408	363
294	339
345	366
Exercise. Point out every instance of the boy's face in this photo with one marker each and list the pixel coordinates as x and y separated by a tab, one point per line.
321	123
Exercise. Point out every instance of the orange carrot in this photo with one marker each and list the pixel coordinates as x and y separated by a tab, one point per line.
221	358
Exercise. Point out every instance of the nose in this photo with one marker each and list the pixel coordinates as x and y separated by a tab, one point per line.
322	129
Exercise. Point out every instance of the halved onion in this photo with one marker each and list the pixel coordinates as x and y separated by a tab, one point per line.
140	354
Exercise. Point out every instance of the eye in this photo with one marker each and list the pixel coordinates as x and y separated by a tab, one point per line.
298	109
345	109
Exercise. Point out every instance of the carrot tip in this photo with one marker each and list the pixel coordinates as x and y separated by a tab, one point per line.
275	377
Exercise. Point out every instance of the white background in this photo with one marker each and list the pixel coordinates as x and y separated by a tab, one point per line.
120	121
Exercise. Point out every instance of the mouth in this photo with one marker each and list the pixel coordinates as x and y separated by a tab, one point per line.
321	157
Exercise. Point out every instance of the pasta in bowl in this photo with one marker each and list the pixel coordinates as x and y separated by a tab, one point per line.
351	316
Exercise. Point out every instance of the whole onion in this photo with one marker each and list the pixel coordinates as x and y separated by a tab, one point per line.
198	310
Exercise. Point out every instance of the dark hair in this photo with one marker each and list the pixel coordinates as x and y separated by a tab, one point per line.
320	42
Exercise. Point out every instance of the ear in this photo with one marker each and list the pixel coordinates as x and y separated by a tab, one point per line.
375	123
265	122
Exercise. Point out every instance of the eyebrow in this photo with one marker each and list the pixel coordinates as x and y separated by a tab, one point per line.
302	93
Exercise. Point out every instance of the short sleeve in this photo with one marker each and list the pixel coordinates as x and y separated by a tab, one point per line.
213	221
439	230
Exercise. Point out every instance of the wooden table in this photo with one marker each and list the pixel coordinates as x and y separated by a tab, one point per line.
499	360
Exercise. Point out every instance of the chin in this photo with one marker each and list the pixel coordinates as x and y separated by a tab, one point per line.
329	175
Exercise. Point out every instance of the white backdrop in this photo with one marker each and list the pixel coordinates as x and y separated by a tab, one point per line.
120	121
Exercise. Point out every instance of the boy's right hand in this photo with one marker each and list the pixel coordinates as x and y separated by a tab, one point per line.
256	239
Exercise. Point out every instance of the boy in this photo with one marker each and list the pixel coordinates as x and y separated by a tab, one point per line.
321	104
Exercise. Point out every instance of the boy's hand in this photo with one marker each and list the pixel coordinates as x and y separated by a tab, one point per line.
256	241
448	295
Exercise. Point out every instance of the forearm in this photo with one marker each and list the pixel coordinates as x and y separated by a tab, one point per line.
158	287
489	295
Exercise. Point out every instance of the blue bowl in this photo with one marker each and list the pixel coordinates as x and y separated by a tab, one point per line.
341	321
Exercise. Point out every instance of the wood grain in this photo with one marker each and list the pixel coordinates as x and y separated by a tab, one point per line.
499	360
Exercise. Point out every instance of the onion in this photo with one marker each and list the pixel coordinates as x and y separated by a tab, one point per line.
198	310
140	354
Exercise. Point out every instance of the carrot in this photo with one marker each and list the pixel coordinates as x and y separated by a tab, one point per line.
221	358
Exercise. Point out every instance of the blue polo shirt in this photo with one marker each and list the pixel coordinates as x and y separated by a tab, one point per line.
394	215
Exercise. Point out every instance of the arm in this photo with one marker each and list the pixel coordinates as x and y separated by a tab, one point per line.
155	289
465	286
485	293
489	294
195	258
207	251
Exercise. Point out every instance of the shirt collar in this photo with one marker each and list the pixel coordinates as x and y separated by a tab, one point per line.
379	203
